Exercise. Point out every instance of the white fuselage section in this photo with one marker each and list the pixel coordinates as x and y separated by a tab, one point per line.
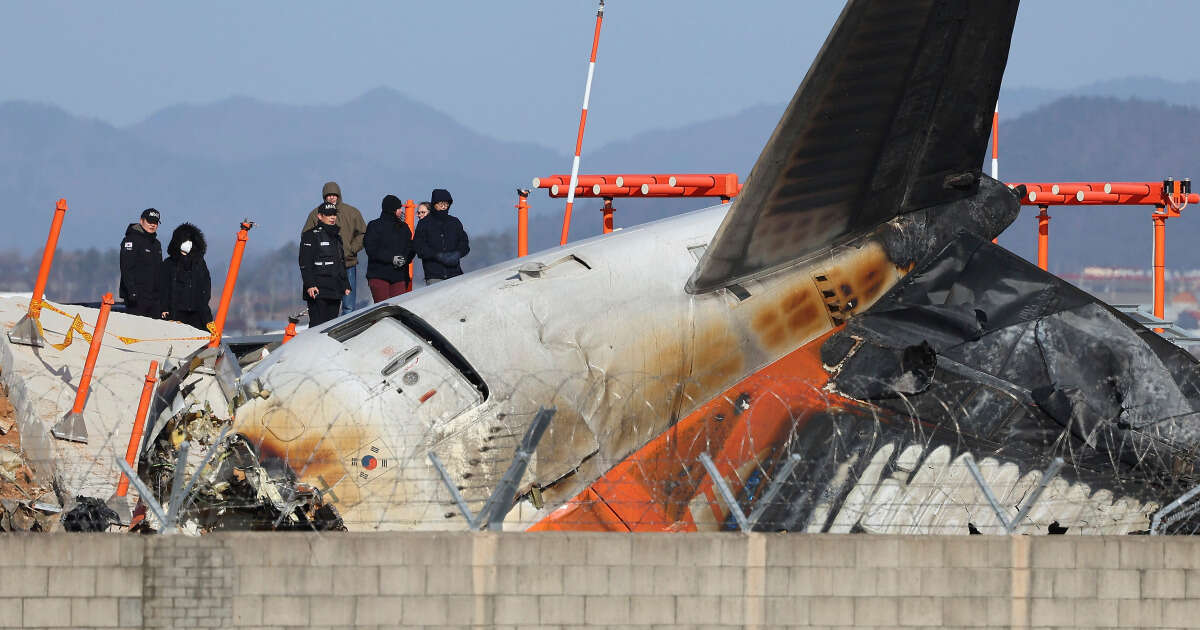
602	330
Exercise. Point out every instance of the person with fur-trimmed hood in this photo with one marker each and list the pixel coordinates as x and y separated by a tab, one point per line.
186	284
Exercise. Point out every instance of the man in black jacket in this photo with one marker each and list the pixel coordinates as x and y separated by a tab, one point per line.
141	255
323	268
389	251
440	240
186	285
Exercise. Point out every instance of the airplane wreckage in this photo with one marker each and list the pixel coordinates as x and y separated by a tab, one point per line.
844	335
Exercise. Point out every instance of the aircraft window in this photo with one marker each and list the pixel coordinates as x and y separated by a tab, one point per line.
355	326
739	291
697	251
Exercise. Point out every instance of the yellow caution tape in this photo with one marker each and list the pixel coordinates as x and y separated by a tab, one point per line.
78	326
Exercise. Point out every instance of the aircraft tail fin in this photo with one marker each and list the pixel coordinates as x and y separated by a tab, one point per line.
894	115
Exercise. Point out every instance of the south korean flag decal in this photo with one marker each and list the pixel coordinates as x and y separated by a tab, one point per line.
370	462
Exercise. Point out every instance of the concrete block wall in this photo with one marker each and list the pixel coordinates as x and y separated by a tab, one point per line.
460	580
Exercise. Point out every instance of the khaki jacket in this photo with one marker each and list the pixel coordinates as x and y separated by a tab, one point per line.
350	224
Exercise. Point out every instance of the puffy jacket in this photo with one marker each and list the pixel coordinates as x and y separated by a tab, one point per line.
441	242
320	263
186	283
141	256
387	237
350	221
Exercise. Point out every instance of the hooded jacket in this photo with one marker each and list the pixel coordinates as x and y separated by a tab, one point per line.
441	242
187	286
388	236
141	255
350	223
320	253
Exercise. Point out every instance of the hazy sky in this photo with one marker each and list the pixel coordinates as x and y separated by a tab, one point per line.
515	69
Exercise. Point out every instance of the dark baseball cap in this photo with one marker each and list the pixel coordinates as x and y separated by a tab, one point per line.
328	209
150	215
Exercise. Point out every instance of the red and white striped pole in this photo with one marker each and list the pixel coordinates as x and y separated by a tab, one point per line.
996	148
587	93
995	141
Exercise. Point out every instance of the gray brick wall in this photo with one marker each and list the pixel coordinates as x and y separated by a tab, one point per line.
187	583
573	580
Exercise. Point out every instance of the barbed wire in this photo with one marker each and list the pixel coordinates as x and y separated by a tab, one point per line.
624	453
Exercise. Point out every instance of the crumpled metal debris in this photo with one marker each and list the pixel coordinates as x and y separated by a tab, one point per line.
236	490
27	516
1015	355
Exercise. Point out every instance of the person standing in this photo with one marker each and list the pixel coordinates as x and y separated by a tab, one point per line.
141	256
322	267
186	284
353	228
388	244
440	240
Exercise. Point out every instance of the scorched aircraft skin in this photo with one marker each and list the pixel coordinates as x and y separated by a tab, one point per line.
735	331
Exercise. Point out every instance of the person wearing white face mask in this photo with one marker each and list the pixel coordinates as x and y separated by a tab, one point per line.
186	284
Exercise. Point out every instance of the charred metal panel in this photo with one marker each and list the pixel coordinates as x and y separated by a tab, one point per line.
893	116
1027	368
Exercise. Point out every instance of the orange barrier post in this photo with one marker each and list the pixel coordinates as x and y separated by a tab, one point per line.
28	331
608	215
290	331
71	426
1043	239
522	222
235	264
139	423
117	502
1160	263
410	217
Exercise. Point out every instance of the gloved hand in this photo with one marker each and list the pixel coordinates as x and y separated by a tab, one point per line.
449	259
399	261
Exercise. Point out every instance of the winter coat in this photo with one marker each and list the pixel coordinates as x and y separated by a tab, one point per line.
388	236
320	255
186	284
441	242
141	255
350	221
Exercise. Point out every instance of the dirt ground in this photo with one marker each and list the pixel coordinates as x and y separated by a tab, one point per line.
23	487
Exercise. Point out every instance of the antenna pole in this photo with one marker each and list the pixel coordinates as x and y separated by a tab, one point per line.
587	93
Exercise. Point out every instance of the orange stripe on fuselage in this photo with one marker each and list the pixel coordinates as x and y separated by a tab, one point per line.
656	487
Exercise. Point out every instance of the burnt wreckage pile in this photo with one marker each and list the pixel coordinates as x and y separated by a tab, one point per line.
981	351
208	479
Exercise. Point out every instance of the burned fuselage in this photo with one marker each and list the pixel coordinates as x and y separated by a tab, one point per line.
602	330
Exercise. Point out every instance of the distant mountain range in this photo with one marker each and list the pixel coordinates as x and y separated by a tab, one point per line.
1020	100
216	163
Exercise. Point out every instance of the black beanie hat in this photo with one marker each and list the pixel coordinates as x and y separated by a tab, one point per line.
391	204
440	194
